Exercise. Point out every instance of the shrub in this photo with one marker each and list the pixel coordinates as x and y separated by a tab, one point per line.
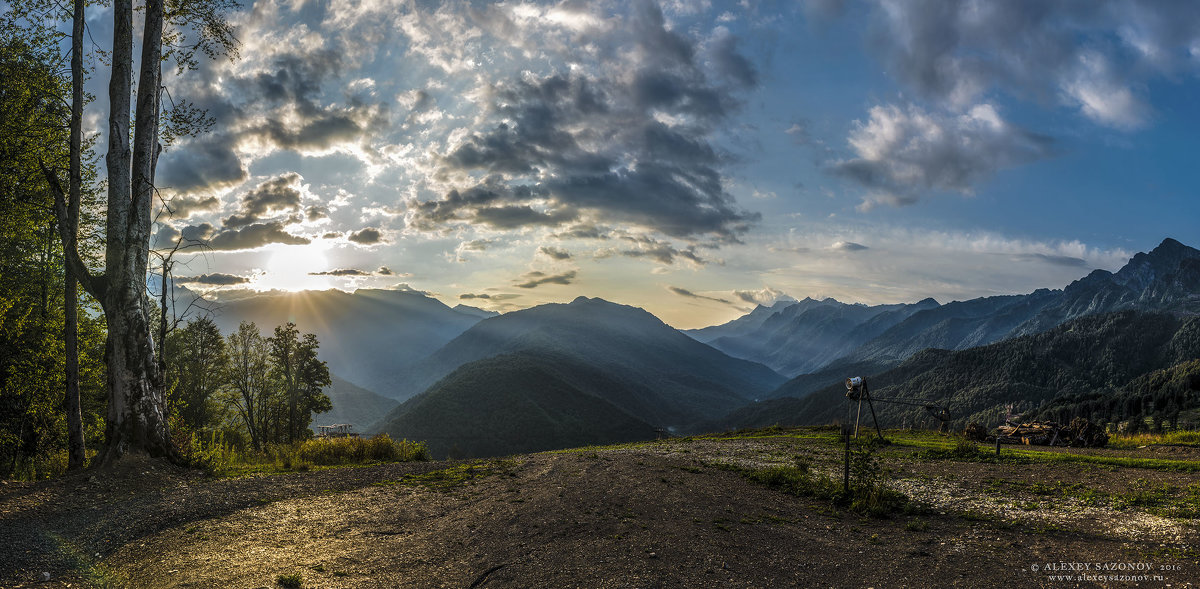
292	581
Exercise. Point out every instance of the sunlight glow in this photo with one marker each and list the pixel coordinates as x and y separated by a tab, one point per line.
288	268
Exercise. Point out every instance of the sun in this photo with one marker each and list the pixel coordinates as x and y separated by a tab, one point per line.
289	267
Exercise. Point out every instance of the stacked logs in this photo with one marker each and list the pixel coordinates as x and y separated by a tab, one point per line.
1079	433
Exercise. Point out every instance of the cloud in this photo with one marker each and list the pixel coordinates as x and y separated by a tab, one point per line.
554	253
488	297
316	212
535	279
216	279
1094	56
248	237
1059	260
683	292
205	163
343	272
182	207
848	246
905	153
279	193
627	142
368	236
582	231
382	271
653	249
763	296
404	287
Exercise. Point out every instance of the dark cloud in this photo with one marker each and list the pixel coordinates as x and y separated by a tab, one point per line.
382	271
281	106
249	237
368	236
683	292
277	194
570	147
316	212
1058	260
343	272
905	153
554	253
331	235
182	207
216	279
656	250
323	132
203	163
535	279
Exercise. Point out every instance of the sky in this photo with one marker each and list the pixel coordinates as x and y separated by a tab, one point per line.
693	158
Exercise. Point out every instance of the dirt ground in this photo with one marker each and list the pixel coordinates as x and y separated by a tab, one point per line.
655	515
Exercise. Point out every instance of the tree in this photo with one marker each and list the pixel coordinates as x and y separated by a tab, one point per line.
199	366
300	375
136	410
35	302
248	377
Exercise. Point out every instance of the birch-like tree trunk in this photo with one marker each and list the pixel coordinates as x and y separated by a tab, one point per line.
137	418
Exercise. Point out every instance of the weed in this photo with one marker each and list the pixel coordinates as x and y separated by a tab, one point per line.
449	479
916	525
292	581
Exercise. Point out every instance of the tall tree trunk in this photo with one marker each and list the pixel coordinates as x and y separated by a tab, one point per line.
136	406
76	451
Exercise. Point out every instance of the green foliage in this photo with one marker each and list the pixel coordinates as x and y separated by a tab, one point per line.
33	131
197	365
300	376
379	448
222	457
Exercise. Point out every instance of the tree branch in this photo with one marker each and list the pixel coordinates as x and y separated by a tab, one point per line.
93	284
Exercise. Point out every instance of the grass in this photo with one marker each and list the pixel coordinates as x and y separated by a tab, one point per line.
869	492
449	479
1176	438
315	454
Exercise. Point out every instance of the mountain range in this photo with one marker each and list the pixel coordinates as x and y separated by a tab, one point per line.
607	355
1046	375
475	383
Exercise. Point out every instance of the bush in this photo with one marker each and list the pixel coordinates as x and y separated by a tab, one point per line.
381	448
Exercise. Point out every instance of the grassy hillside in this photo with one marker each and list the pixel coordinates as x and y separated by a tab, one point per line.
520	403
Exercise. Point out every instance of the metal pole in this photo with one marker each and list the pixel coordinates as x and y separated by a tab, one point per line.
846	471
872	406
858	416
